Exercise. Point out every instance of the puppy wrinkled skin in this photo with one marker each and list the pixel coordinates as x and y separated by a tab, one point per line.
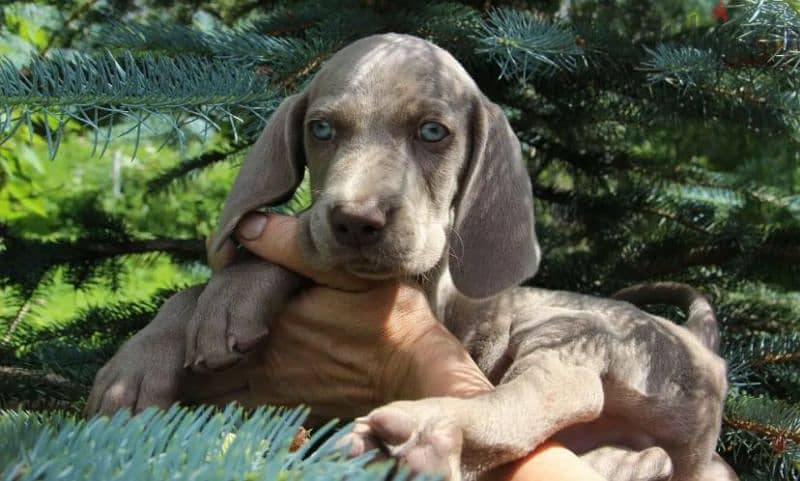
416	174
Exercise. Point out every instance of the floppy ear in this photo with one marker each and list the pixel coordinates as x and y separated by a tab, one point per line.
494	245
272	169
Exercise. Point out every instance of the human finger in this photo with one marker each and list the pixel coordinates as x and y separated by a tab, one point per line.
276	238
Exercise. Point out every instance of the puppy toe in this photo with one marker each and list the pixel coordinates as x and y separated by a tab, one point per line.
423	440
158	391
102	380
244	336
211	342
216	360
359	441
122	393
393	426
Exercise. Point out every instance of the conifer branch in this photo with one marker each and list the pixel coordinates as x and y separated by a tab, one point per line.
188	248
778	358
524	45
180	443
202	161
765	431
773	432
22	311
100	91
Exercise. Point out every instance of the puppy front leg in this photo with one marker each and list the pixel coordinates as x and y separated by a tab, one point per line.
465	437
148	369
234	311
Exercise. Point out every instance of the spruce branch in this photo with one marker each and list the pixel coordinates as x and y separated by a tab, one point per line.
22	387
178	443
21	312
109	324
25	261
744	307
767	430
525	45
247	48
717	252
450	25
182	170
651	202
301	17
94	250
180	248
771	27
752	355
100	91
762	432
682	67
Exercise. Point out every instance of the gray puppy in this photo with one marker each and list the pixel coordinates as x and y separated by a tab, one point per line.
415	173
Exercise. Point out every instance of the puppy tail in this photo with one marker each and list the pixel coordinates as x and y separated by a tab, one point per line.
700	317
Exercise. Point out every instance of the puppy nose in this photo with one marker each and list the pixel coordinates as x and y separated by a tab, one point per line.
358	224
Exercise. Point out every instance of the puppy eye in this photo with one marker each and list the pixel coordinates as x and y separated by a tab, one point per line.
321	129
433	132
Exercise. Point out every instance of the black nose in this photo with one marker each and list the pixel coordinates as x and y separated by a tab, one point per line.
358	224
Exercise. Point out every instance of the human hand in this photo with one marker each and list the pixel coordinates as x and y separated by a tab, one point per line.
355	345
343	351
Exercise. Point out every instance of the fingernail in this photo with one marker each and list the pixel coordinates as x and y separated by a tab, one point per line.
252	226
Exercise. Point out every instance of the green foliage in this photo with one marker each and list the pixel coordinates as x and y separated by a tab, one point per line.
662	145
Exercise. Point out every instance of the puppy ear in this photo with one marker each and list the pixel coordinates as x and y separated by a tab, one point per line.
272	169
493	244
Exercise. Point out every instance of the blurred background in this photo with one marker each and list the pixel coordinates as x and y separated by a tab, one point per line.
661	139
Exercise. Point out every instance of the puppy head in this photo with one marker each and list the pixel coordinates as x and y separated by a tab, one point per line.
410	164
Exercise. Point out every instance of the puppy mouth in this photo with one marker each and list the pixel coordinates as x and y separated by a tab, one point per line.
372	270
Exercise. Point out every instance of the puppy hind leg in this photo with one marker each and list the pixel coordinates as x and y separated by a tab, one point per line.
624	464
718	470
432	435
545	397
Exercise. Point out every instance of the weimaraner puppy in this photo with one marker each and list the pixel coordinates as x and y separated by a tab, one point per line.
415	173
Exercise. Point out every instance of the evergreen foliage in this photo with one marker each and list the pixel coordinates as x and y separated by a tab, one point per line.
662	145
176	444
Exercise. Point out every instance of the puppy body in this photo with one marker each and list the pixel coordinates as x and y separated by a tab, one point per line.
591	373
640	397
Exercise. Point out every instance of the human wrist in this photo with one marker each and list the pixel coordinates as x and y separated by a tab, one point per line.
549	462
436	364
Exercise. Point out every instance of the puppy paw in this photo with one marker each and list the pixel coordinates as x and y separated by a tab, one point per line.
233	313
223	328
123	384
422	435
148	369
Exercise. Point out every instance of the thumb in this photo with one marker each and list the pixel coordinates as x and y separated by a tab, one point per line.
276	238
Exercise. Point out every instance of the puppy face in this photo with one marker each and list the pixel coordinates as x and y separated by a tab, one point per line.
408	159
385	134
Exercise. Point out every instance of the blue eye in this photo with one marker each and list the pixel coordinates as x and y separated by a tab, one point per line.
433	132
321	129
